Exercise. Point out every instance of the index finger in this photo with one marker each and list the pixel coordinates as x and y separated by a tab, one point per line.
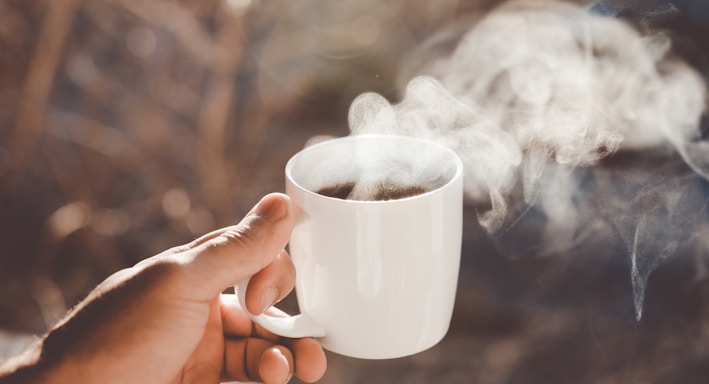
222	258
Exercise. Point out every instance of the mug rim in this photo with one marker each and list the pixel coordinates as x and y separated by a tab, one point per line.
458	163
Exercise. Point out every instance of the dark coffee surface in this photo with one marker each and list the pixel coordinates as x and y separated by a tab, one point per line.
339	191
393	192
384	191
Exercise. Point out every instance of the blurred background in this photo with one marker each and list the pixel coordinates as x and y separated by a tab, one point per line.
127	127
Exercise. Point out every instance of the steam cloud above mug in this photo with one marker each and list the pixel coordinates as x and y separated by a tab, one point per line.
535	95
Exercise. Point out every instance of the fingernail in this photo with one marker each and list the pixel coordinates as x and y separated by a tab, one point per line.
268	298
271	207
285	360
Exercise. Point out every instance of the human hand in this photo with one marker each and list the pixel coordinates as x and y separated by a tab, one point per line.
165	320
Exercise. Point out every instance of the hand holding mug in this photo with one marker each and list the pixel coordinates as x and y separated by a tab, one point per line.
165	320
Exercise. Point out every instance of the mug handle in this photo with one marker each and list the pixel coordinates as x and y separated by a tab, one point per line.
296	327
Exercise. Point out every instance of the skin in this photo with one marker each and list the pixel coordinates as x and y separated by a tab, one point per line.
165	319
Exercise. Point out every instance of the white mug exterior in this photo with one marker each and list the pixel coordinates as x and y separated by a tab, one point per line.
377	278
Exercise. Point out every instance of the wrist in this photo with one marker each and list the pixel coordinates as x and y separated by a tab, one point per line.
32	366
23	368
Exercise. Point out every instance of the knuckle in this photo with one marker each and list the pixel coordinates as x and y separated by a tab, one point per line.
247	235
162	270
287	263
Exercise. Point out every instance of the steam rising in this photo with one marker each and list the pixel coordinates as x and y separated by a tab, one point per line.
536	92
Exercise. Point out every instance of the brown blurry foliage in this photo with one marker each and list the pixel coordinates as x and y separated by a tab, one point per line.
125	129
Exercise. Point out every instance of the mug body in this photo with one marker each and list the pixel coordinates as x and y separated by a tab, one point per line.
380	276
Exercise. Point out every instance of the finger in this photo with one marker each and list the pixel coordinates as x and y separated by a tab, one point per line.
222	258
271	284
253	359
235	322
310	359
276	365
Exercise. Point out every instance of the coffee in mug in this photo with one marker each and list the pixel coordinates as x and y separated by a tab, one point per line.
384	191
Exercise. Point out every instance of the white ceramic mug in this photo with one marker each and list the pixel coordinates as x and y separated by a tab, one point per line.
374	279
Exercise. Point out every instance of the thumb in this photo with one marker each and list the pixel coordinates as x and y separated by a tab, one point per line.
224	257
